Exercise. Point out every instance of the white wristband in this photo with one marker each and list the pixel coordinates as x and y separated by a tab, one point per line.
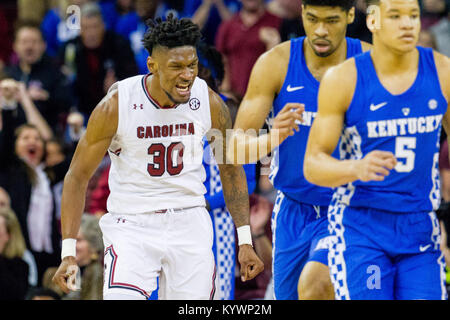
244	235
69	248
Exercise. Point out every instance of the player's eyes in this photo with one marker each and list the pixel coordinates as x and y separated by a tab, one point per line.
313	20
395	16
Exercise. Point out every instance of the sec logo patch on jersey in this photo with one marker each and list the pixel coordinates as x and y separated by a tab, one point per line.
194	104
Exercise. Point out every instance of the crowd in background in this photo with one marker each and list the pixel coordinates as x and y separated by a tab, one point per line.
53	74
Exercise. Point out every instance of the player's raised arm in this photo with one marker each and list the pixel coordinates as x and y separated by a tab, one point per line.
265	82
89	153
335	95
235	189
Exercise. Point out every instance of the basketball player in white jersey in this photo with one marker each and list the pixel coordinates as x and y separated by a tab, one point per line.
157	225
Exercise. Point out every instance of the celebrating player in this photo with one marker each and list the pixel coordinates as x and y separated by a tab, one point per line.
157	226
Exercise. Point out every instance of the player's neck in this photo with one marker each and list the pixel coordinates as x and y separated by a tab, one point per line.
157	93
388	61
318	65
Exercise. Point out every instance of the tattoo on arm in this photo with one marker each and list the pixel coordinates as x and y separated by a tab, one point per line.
234	182
235	192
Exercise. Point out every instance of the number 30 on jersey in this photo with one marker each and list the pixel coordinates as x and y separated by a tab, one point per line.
166	159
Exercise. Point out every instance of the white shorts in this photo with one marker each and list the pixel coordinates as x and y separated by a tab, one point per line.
175	246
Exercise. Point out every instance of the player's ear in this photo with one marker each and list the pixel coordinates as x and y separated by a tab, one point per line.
373	18
351	15
152	65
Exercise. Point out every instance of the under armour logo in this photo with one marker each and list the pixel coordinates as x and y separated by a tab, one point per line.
136	106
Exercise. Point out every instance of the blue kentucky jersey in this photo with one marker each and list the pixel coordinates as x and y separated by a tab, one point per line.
408	125
287	164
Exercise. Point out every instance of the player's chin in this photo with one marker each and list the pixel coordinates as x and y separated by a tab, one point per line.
406	46
324	54
181	98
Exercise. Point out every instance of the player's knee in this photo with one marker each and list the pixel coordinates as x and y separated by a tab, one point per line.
315	284
315	290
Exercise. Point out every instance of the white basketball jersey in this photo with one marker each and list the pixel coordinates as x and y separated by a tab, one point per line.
156	154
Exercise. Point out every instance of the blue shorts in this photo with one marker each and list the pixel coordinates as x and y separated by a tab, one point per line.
299	234
381	255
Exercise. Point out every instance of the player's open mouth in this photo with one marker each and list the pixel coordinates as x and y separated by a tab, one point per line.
321	46
183	90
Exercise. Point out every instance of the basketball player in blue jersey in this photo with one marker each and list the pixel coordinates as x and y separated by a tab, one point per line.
285	77
386	107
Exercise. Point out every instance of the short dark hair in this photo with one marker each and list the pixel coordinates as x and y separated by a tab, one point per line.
21	24
344	4
171	33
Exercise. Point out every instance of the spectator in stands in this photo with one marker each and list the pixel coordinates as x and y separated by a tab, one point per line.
98	59
13	269
55	27
5	35
5	203
28	182
17	108
209	14
46	85
57	155
132	26
241	42
89	258
441	33
76	126
124	6
32	10
432	12
291	13
99	194
5	200
426	39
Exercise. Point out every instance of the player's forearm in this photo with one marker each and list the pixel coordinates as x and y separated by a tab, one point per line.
324	170
235	192
72	205
249	148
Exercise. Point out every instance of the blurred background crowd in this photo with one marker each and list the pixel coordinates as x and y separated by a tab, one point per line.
53	74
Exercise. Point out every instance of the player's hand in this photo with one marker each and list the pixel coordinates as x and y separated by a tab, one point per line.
250	263
287	120
65	276
375	166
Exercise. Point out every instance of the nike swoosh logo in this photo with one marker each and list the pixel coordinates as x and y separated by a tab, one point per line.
290	89
374	107
424	248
